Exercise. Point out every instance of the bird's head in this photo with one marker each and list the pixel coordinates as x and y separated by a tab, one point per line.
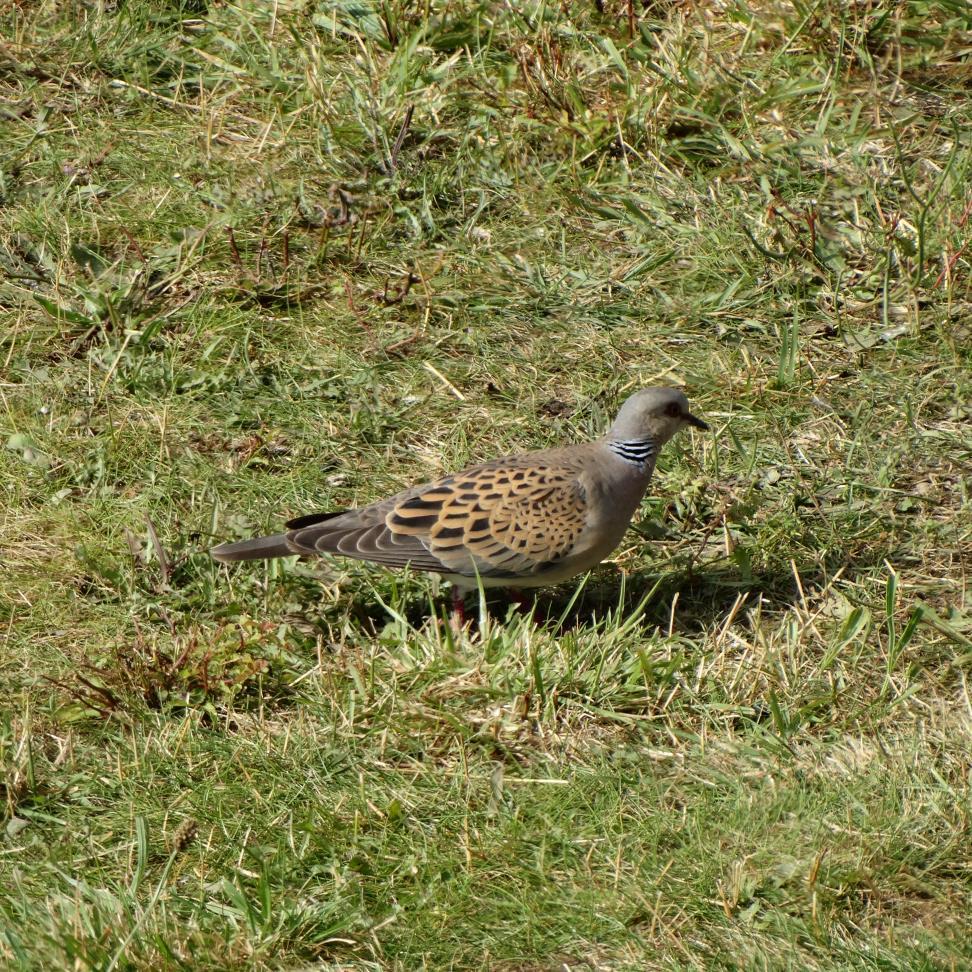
655	414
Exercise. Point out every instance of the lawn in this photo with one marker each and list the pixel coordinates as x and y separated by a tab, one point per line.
263	258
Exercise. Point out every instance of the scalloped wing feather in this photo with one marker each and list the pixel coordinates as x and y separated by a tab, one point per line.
513	517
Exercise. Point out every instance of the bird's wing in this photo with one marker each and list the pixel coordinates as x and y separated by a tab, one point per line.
511	517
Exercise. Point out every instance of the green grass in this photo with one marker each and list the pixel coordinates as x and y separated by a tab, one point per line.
260	259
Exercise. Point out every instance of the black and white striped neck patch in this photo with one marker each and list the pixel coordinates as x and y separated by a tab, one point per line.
636	451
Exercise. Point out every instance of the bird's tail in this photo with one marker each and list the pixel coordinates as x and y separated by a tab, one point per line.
261	548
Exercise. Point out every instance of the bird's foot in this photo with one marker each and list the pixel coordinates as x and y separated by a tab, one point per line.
522	600
459	616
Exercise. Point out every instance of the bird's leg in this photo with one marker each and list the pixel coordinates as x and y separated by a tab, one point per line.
521	600
458	607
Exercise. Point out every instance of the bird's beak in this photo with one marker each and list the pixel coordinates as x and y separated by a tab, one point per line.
696	421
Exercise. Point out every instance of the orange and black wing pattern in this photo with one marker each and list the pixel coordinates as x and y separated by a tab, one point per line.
509	518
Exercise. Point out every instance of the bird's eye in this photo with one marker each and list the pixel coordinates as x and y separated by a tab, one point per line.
673	410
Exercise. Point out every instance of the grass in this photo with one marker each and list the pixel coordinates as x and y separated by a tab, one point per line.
260	259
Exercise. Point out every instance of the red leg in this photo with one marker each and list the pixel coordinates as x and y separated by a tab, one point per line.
458	607
523	601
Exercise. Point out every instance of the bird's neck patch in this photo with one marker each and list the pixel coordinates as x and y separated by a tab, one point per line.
636	452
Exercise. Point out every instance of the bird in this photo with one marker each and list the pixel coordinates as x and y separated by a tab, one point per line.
522	521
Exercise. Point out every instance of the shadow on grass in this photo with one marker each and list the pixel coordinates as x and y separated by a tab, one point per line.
699	598
702	597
